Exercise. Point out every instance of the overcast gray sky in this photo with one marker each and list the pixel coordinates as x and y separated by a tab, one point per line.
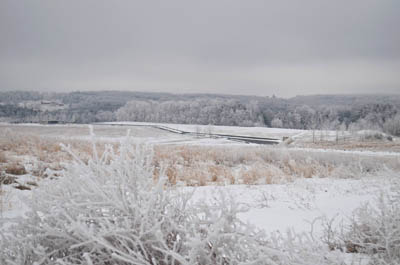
253	47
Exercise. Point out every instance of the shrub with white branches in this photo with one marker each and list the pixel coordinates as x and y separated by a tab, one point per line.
375	230
112	211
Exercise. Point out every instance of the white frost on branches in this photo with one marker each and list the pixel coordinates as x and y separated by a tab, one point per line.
112	211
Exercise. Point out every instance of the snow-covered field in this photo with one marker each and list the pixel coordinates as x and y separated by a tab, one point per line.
316	139
299	200
273	207
214	129
295	205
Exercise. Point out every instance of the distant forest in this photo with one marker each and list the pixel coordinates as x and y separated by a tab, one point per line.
344	112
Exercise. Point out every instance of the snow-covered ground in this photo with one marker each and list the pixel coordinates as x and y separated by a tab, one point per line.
301	205
274	207
213	129
317	139
113	133
148	132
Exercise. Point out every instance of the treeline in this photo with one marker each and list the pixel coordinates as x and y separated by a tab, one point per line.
353	112
200	111
376	116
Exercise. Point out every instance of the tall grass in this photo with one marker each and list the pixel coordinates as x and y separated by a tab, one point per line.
196	165
210	165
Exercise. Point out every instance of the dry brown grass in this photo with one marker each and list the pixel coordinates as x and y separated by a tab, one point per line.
47	151
220	174
253	175
293	168
202	165
15	169
387	146
206	165
3	158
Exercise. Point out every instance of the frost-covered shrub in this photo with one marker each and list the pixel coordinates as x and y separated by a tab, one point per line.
111	211
375	230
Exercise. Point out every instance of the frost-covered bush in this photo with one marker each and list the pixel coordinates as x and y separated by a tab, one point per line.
303	249
375	230
112	211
